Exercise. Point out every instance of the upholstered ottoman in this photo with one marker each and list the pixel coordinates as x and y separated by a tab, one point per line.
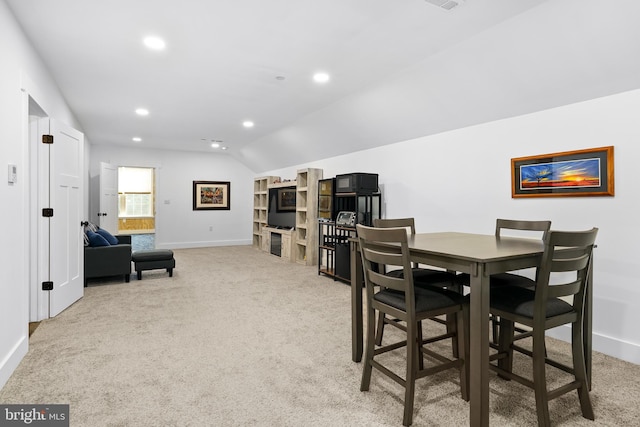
152	259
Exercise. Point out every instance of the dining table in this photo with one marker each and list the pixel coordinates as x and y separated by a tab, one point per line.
480	256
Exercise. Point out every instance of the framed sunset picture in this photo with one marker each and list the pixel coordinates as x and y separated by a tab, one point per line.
571	173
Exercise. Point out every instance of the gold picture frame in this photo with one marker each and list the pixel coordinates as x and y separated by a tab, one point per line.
587	172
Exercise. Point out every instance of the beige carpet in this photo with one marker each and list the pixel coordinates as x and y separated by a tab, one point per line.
241	338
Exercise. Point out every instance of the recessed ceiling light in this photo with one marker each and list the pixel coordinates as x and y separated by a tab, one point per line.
155	43
321	77
224	148
248	124
136	139
142	112
215	145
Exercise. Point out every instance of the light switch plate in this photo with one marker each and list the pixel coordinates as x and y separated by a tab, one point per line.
13	174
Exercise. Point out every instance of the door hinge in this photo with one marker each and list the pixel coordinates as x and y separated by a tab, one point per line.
47	212
47	286
47	139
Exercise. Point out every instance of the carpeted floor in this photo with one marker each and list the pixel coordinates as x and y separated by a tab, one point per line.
241	338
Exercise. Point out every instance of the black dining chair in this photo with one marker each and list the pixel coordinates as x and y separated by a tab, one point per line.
396	296
422	277
519	228
563	272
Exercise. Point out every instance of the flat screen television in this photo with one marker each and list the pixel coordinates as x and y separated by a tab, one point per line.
282	207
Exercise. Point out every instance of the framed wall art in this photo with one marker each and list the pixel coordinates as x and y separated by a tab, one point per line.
286	199
586	172
211	195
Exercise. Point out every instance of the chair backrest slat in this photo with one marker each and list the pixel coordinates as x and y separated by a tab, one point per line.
385	247
522	225
568	255
378	279
407	223
564	290
560	264
395	223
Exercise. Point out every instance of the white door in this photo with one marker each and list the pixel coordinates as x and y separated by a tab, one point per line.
108	210
64	240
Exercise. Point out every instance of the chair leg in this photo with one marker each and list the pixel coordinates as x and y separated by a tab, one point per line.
419	344
580	370
380	328
368	355
540	378
452	327
505	342
494	327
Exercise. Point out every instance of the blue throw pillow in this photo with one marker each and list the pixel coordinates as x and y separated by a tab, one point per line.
108	236
96	239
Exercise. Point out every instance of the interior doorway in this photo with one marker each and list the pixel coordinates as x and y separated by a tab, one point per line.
136	205
55	214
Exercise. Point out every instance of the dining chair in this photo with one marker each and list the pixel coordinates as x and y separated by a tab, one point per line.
557	299
397	297
519	228
422	277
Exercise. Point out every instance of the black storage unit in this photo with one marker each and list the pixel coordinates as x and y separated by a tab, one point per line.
367	207
334	254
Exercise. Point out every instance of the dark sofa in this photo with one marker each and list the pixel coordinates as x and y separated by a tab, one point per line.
104	261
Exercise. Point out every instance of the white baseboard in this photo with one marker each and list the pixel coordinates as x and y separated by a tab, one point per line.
187	245
13	358
614	347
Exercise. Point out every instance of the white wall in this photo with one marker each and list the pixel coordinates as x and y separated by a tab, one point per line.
22	75
560	52
177	224
460	180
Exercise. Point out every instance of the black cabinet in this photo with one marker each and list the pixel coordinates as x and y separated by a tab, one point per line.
333	254
366	206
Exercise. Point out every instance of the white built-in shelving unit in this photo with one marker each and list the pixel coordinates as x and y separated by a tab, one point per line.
305	235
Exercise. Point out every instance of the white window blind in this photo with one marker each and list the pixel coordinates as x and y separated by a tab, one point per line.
135	192
135	180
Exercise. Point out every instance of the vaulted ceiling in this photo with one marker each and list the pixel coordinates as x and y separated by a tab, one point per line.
399	69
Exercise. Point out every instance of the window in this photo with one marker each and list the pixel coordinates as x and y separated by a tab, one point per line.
135	192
